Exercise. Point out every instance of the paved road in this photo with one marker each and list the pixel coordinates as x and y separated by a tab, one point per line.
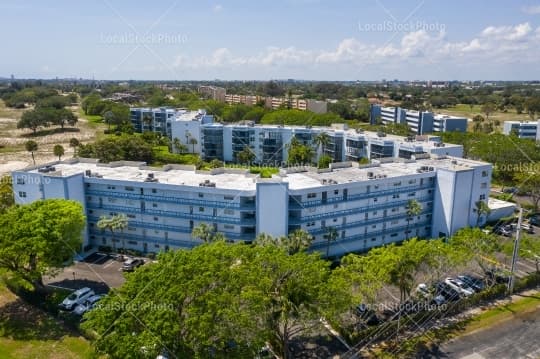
515	338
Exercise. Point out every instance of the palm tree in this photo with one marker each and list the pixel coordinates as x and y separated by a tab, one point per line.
58	150
74	142
31	146
330	236
193	141
414	208
204	232
113	223
321	140
482	208
297	241
179	146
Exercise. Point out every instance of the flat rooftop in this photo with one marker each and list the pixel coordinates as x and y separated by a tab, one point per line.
234	179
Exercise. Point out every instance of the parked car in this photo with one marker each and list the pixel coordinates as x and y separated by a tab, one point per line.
131	264
425	292
527	228
498	276
459	286
449	293
477	284
88	304
510	190
504	231
367	315
77	297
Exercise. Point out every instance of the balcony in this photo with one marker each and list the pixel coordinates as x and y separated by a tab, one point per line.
174	200
173	214
293	204
323	244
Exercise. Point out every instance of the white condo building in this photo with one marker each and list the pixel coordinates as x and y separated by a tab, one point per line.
523	129
366	205
198	131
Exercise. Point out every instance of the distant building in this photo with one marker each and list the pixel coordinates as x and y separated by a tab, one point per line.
214	92
268	143
523	129
420	122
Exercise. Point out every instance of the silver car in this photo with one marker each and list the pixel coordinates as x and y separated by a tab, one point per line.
77	297
89	304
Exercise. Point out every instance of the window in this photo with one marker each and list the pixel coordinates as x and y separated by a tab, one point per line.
375	200
484	173
133	243
154	205
111	200
336	191
228	211
20	180
395	195
373	239
310	224
395	209
393	235
336	205
103	241
375	213
412	194
397	184
90	211
201	195
394	222
482	197
131	229
374	226
131	216
91	224
312	195
22	194
201	209
88	198
128	188
335	220
228	226
156	219
154	190
412	181
228	198
483	185
156	245
111	187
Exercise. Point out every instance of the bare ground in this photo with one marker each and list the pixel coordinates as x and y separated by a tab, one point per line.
13	155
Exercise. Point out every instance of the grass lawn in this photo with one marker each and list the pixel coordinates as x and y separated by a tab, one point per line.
492	316
27	332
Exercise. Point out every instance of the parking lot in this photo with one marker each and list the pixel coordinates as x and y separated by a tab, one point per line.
98	271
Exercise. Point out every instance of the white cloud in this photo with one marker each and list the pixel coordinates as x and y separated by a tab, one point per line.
532	10
217	8
501	44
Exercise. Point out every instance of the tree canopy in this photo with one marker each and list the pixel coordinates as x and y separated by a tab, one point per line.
39	238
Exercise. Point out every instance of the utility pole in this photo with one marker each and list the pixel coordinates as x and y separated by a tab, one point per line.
515	253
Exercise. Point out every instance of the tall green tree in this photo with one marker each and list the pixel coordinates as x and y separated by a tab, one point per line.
74	143
7	200
246	156
59	151
331	235
31	146
321	140
40	238
474	244
219	301
482	209
413	209
114	223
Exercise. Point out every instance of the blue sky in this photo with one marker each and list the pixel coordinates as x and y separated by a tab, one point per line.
301	39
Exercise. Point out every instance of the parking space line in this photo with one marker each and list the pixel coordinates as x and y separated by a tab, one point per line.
59	287
108	264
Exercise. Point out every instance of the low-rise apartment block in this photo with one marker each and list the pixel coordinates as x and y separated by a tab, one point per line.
420	122
366	205
523	129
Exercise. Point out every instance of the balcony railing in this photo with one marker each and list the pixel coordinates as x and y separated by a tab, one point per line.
174	200
293	204
358	210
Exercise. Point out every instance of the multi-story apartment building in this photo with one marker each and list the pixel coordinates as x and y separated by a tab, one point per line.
420	122
269	142
366	205
214	92
523	129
